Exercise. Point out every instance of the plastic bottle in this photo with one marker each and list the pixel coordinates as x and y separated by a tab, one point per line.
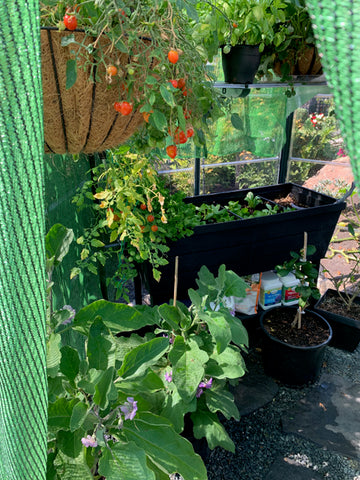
289	295
270	290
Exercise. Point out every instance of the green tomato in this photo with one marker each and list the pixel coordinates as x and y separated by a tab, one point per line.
227	49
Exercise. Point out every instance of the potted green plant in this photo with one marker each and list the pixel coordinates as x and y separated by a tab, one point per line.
296	54
242	29
118	397
294	338
340	305
109	67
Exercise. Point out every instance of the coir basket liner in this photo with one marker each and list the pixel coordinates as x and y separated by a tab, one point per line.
82	118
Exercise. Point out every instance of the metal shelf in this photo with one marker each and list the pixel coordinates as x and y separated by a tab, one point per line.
298	81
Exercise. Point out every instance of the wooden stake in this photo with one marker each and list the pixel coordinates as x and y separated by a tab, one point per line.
305	246
176	278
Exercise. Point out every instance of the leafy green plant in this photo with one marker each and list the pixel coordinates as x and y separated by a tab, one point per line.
117	398
164	73
306	272
233	22
136	216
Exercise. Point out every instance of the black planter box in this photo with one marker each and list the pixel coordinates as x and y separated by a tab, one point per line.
346	330
251	245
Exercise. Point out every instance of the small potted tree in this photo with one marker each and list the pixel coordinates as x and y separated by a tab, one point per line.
295	337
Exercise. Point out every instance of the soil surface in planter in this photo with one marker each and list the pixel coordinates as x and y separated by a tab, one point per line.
334	304
289	201
312	332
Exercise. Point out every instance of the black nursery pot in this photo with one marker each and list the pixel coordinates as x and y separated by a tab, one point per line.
290	364
346	330
241	63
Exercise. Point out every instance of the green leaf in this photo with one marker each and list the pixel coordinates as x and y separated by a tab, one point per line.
230	363
171	452
167	96
57	242
239	334
78	416
219	399
60	412
158	120
98	346
206	424
53	354
237	121
235	286
143	356
219	329
72	468
97	243
65	41
175	409
70	442
70	362
103	388
117	317
127	461
181	118
188	367
151	80
71	73
171	315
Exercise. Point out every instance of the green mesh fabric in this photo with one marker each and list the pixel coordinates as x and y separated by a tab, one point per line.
23	396
337	31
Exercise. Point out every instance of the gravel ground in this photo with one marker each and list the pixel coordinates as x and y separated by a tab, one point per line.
259	439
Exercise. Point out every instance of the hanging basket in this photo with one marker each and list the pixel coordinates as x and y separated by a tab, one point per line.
81	119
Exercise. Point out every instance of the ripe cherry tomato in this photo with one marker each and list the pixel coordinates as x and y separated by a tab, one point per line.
171	150
173	56
125	108
70	22
154	228
150	218
181	83
180	137
174	83
190	132
187	113
111	70
143	206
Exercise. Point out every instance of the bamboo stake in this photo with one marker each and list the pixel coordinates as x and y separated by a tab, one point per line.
176	279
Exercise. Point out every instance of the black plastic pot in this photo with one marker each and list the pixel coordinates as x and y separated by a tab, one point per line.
290	364
247	246
346	330
241	63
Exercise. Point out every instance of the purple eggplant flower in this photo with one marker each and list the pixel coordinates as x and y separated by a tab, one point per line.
89	441
168	376
129	408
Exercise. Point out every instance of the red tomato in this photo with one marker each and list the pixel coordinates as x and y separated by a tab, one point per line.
180	137
173	56
111	70
190	132
171	150
154	228
143	206
181	83
125	108
150	218
174	83
70	22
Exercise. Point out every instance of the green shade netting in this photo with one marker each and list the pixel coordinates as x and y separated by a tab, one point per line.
23	392
63	178
337	32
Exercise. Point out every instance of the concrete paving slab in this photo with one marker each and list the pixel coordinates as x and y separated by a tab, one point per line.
284	469
253	392
329	415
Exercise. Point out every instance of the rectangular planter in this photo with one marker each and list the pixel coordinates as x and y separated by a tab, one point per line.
346	330
251	245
